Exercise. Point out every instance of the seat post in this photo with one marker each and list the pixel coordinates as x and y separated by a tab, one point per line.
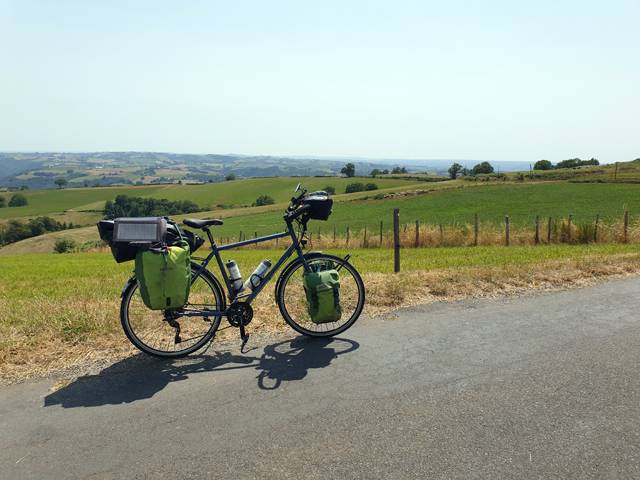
209	236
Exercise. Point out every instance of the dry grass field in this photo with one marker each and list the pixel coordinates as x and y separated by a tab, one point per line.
61	311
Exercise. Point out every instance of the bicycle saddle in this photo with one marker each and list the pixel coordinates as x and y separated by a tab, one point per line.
195	223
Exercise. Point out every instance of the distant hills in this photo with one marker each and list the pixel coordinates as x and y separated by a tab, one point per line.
41	169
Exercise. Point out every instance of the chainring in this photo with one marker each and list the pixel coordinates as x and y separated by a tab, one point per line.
239	313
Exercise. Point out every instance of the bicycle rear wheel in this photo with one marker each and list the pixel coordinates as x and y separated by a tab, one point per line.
155	333
292	300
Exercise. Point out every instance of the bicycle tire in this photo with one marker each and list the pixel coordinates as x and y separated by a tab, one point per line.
128	294
287	274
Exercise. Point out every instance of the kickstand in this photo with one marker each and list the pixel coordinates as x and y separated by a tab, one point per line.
244	336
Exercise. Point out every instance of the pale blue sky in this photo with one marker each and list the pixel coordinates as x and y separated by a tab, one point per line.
498	80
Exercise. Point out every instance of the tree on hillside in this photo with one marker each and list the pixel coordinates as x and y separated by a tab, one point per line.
330	190
354	187
454	170
18	200
230	177
60	182
374	172
3	202
543	165
398	170
263	200
484	167
349	170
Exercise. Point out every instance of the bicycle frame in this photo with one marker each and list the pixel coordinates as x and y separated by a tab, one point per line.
248	297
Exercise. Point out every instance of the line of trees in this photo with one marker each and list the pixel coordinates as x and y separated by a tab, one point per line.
456	170
16	230
570	163
349	170
126	206
360	187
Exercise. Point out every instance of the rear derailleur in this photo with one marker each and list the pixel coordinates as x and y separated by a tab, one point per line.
171	316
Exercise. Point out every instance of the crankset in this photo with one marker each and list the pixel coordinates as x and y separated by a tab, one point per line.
239	314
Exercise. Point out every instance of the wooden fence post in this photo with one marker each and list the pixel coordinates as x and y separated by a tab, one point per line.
549	231
626	226
396	240
364	242
569	222
441	234
334	234
475	230
417	233
537	239
595	229
506	230
240	236
348	234
381	233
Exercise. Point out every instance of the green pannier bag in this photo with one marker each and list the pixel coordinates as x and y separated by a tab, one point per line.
164	276
323	295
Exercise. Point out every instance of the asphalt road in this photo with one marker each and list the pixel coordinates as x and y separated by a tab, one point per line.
546	386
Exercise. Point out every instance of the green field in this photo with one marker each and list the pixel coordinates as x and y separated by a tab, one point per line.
522	202
68	275
447	203
237	192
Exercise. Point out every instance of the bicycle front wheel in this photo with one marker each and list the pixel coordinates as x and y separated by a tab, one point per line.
173	335
292	300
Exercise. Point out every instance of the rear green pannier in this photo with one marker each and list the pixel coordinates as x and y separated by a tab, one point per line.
164	276
323	295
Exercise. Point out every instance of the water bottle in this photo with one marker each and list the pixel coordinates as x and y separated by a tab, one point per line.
235	277
257	276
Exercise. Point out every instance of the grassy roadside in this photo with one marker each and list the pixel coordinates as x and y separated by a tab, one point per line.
62	310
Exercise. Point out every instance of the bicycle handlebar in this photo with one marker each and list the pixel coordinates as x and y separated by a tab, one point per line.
293	213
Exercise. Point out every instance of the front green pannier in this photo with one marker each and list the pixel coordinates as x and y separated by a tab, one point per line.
164	276
323	295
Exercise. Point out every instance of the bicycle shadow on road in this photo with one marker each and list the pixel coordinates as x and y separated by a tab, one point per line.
139	377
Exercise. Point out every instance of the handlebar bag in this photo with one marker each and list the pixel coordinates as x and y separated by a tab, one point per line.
320	206
323	295
164	276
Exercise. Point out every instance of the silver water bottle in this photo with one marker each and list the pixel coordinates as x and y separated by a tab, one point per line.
235	277
257	276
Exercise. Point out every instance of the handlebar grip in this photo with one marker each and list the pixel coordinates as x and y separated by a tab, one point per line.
296	213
